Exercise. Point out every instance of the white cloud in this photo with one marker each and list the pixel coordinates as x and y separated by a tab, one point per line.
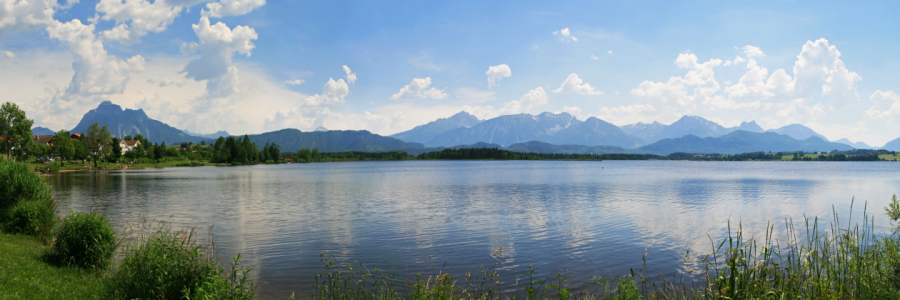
626	114
818	61
225	8
9	54
96	71
217	45
566	35
610	52
136	18
351	77
700	76
295	82
418	89
594	57
333	93
495	73
884	105
752	84
528	101
752	51
748	50
25	15
575	85
736	61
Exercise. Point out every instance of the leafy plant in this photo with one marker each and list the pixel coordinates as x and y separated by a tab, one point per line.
33	217
85	240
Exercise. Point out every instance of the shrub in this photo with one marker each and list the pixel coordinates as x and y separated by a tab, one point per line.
20	182
85	240
33	217
171	265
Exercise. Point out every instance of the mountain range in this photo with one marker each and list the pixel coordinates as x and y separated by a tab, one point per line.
544	133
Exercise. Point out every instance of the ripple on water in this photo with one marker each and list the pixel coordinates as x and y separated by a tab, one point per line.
581	218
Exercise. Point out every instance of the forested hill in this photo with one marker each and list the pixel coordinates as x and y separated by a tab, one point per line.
291	140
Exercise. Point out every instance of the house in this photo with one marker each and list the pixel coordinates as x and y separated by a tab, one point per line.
46	140
288	160
128	145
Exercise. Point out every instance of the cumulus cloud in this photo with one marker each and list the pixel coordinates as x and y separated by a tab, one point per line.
626	114
25	15
495	73
217	45
820	62
225	8
528	101
9	54
752	51
752	84
418	89
351	77
594	57
333	93
700	76
574	84
96	71
884	105
136	18
295	82
565	35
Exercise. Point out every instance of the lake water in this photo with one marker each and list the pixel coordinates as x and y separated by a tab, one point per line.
581	218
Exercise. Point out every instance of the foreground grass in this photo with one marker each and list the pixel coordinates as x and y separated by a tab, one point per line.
25	275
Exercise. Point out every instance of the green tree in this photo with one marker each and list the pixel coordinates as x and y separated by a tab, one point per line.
81	149
116	149
15	129
63	146
274	152
98	139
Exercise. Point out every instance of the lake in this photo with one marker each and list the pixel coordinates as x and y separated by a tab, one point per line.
580	218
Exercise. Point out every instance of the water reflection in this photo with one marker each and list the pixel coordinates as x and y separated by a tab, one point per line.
584	218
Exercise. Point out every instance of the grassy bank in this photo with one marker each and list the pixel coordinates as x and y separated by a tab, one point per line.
24	274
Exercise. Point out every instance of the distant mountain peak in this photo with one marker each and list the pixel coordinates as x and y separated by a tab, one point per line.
750	126
320	128
132	122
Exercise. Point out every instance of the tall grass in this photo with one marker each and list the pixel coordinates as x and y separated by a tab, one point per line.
159	263
843	260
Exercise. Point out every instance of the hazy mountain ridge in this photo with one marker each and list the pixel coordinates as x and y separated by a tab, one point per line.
797	131
291	140
643	131
507	130
857	145
42	131
741	142
893	145
215	135
544	133
425	133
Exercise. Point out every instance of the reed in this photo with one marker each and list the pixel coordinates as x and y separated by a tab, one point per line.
843	260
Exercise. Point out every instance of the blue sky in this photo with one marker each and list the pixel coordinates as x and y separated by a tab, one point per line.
254	66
